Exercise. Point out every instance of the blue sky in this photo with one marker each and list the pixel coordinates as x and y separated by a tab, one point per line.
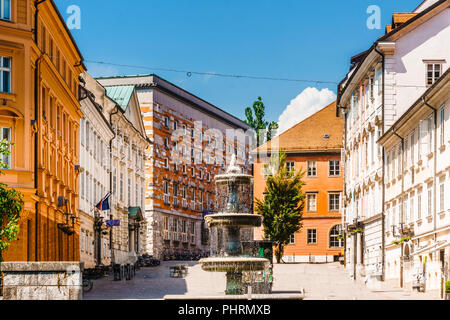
310	40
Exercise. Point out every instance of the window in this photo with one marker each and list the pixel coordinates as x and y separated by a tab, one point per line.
379	80
335	242
441	196
430	199
175	125
184	129
335	169
166	122
433	72
411	207
333	204
292	239
166	187
419	205
290	166
311	202
121	187
5	9
5	74
312	236
312	169
5	134
411	142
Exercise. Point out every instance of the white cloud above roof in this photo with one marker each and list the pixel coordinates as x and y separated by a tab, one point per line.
304	105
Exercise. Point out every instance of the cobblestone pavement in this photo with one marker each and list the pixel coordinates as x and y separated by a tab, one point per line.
319	281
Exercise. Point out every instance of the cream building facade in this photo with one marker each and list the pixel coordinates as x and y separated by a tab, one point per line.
417	183
127	170
382	83
96	134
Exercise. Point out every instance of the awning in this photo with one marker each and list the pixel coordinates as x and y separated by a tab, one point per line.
429	247
135	212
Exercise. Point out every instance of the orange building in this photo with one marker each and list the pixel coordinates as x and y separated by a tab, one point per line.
40	113
314	147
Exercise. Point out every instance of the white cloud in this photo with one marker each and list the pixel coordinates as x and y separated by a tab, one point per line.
304	105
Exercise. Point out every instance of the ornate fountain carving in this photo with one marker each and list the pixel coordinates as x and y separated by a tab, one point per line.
232	220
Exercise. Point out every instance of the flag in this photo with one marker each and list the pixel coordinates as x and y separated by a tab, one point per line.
113	223
104	203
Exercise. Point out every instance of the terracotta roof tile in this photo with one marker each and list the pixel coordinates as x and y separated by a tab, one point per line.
309	134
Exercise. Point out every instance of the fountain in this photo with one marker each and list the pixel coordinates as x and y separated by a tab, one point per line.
233	216
232	220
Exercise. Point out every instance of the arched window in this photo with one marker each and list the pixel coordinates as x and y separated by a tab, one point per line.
335	242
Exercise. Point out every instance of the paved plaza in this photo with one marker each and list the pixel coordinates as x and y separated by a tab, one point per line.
319	282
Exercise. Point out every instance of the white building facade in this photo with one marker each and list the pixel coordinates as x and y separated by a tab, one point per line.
94	180
382	83
125	222
417	182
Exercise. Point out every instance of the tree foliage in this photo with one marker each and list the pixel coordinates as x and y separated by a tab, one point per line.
282	206
255	119
11	204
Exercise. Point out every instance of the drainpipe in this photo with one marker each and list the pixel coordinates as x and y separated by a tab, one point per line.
383	189
36	119
116	110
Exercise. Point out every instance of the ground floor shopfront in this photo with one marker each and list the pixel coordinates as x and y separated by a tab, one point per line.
421	264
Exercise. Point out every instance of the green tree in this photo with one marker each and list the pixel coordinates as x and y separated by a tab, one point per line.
255	119
283	203
11	204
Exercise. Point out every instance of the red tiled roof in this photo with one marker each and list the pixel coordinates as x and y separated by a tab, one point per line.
309	134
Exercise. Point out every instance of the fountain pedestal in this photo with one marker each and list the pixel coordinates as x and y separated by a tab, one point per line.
232	221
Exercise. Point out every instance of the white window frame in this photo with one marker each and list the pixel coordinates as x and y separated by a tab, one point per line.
430	79
311	238
334	167
6	158
311	206
331	205
312	164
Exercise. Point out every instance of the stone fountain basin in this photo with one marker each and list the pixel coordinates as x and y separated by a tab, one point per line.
237	178
234	264
243	220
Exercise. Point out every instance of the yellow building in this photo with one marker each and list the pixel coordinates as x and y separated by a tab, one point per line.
40	113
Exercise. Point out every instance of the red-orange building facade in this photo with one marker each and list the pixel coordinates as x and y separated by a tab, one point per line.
314	147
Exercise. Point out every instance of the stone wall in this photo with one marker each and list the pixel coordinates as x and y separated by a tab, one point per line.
41	280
